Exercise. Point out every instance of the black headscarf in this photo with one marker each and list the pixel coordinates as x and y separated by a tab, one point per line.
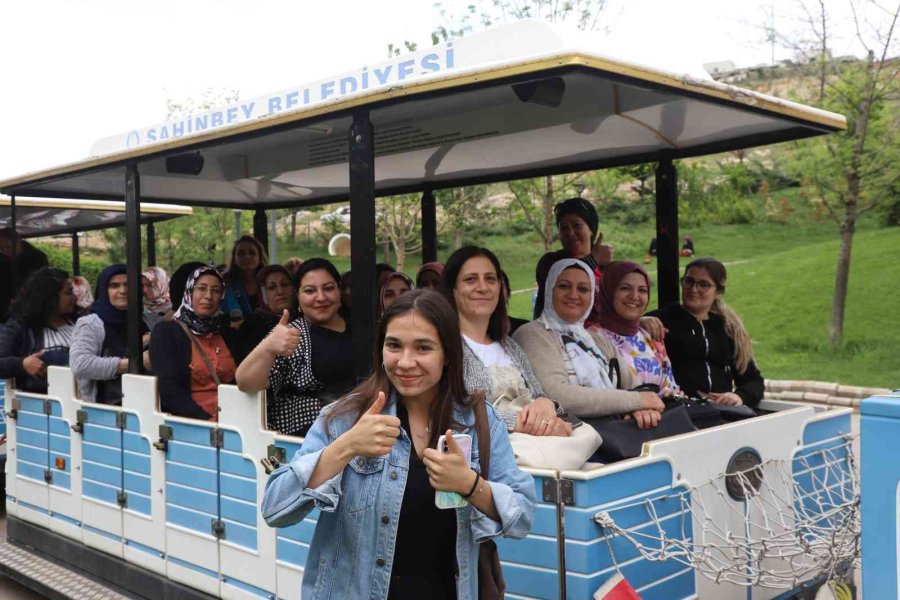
102	307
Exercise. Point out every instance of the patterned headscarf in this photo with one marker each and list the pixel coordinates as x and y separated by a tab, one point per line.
586	363
159	283
199	325
83	296
613	275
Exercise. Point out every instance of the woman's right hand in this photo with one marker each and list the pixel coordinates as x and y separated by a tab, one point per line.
283	340
645	419
374	434
651	401
34	366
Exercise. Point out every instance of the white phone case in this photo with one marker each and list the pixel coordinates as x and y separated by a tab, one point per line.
452	499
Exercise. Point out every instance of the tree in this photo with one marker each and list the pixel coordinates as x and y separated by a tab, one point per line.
398	222
536	198
460	207
854	171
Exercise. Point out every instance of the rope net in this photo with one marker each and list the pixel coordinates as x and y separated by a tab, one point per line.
775	524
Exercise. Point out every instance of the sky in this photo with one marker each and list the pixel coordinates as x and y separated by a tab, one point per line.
74	71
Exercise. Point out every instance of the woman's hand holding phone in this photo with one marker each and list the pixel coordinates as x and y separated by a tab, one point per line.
450	471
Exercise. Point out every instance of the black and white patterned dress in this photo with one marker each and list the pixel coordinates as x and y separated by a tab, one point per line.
293	404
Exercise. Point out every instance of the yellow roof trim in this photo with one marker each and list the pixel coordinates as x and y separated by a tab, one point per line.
98	205
707	88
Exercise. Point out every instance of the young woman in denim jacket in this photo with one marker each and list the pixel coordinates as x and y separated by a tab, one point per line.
370	466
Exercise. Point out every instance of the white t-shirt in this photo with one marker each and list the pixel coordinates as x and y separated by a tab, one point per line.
492	355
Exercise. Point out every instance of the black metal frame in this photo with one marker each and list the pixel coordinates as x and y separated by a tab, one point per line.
133	266
666	232
76	255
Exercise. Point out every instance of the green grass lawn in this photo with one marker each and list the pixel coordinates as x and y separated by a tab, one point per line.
781	281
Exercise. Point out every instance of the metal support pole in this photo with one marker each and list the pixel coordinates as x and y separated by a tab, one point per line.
666	231
14	240
76	255
429	227
151	244
362	239
261	227
133	263
273	237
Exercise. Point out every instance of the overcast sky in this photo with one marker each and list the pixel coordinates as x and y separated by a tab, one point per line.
76	71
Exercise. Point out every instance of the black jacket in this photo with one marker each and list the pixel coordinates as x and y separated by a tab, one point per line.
702	356
170	355
27	262
17	342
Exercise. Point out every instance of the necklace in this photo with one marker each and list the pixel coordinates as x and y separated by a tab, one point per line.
422	436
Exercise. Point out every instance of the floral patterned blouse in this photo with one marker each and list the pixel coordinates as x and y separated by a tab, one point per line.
645	357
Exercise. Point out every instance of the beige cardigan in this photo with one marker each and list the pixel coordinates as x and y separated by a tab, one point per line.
545	354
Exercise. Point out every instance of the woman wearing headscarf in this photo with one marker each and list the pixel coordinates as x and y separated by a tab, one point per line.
579	233
277	294
571	363
428	277
156	295
193	353
100	342
395	285
84	298
624	295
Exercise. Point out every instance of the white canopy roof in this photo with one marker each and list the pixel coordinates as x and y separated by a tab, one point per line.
513	102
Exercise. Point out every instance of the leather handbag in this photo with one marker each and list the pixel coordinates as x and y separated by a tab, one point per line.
491	585
622	438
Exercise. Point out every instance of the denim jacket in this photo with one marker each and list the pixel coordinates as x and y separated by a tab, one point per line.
352	550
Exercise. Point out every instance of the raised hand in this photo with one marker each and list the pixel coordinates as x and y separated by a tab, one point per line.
284	339
603	253
448	472
34	365
374	434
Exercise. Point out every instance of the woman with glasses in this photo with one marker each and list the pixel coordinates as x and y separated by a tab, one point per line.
193	353
711	353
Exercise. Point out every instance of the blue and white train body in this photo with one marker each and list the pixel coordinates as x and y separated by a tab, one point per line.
179	497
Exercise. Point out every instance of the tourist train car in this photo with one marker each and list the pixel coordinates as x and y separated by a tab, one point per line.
156	504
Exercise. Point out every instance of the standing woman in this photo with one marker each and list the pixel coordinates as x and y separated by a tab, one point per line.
711	352
278	294
315	371
100	342
242	295
193	353
156	295
370	465
624	295
494	363
39	330
579	233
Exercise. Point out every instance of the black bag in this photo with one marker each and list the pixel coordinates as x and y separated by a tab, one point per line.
491	585
622	438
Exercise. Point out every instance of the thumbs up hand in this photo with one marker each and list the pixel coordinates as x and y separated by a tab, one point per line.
284	339
448	472
374	434
603	253
34	365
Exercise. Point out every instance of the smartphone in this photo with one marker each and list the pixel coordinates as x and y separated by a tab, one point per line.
452	499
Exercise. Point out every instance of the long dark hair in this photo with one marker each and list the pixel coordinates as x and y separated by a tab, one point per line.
452	390
38	297
497	326
233	270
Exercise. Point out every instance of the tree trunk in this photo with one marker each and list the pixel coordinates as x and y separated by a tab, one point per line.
400	251
548	215
386	251
457	239
294	227
842	278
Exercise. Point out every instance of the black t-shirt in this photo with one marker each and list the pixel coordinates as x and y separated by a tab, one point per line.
331	364
425	552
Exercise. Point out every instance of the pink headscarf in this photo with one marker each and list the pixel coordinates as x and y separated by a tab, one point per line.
159	283
613	275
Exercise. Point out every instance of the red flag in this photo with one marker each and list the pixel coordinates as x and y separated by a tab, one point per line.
616	588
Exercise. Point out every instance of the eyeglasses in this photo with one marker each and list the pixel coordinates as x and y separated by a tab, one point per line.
205	289
701	284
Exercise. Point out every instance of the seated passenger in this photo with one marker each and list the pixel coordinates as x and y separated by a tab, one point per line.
624	295
710	350
84	297
193	353
382	270
571	363
349	464
26	258
305	362
278	294
156	295
39	330
687	248
395	285
242	289
579	234
100	342
494	363
178	282
428	277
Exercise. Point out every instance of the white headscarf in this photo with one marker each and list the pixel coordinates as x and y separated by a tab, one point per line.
584	360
